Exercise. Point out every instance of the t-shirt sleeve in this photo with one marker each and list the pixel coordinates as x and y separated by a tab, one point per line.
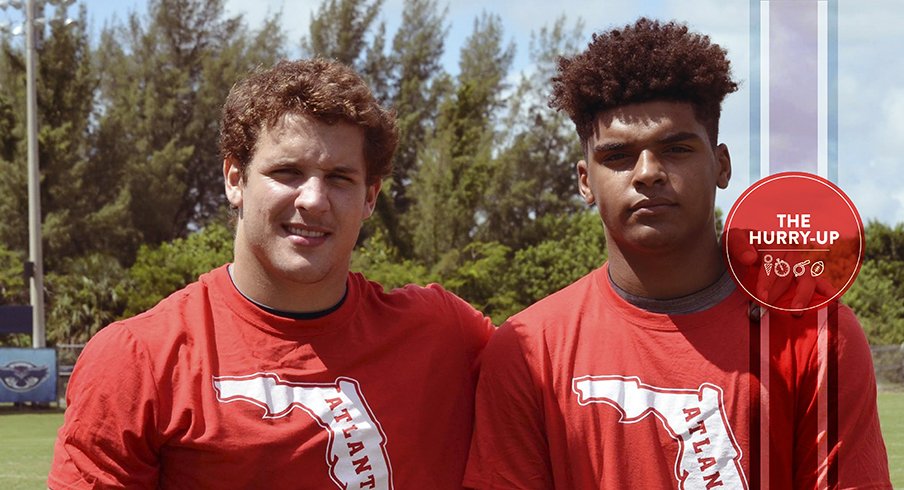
476	328
108	438
509	449
857	456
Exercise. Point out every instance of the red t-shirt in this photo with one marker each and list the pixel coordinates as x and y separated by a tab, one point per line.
584	390
206	390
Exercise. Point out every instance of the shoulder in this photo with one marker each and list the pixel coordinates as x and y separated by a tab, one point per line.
563	306
427	307
182	306
170	322
432	299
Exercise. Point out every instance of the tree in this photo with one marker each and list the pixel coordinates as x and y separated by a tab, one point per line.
165	81
452	172
876	300
876	294
83	297
65	93
128	144
160	270
416	81
339	30
533	175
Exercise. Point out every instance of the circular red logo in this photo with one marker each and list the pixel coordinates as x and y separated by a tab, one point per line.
793	241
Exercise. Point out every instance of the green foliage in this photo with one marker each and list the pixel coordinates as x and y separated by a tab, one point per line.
575	245
452	173
493	277
161	270
160	95
85	296
876	299
534	173
380	262
339	30
415	82
884	242
876	294
13	289
482	199
481	275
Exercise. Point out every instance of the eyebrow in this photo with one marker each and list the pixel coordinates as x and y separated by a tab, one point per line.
346	169
621	145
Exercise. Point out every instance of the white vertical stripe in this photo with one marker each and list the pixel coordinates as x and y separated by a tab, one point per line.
822	88
822	149
765	157
764	89
764	399
823	396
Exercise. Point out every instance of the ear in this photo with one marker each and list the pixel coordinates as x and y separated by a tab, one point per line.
723	159
370	198
232	180
584	182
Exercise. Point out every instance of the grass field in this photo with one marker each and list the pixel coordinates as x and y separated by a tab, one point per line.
891	415
26	443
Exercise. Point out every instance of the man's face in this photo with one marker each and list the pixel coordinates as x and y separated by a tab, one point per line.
653	173
301	203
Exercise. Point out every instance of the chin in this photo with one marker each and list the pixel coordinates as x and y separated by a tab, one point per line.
300	271
652	241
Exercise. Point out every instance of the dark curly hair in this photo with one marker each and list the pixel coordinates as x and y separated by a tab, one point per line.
324	89
644	62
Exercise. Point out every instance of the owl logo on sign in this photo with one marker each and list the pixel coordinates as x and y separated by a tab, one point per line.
22	376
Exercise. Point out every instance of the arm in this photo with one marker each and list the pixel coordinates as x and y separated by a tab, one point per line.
856	457
109	437
509	448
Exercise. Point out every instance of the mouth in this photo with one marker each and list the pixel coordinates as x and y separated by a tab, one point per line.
305	231
652	204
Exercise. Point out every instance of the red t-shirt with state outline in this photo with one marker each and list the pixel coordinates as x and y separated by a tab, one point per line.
584	390
207	390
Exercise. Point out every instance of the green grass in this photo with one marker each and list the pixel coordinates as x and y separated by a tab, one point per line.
891	415
26	446
26	442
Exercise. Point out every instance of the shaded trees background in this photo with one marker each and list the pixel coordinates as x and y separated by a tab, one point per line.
482	197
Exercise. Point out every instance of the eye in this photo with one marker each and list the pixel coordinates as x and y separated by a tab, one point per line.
679	149
614	157
285	171
341	178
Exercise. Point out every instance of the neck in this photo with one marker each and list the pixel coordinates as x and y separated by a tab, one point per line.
273	290
665	274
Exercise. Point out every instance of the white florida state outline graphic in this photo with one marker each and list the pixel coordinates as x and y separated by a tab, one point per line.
356	452
708	455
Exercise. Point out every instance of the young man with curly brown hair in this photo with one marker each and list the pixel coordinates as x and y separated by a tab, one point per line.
639	375
283	369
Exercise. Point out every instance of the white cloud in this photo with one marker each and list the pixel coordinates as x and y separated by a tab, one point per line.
871	107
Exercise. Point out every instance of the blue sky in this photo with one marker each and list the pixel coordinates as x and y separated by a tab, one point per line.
871	97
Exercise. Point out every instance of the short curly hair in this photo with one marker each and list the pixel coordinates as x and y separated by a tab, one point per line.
643	62
326	90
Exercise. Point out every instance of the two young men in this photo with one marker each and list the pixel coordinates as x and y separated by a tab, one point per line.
282	369
644	373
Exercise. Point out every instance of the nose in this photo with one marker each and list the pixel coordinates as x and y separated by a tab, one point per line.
312	195
649	170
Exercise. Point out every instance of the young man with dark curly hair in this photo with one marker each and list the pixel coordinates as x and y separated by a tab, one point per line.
639	375
283	369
